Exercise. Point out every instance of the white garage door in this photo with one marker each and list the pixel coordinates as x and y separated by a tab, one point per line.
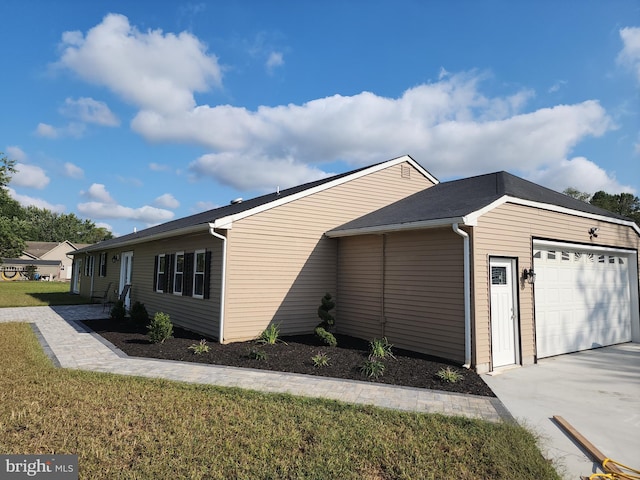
582	298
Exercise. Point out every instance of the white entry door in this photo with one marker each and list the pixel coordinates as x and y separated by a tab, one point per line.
504	315
126	267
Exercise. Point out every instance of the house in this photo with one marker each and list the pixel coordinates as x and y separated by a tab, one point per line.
51	259
229	272
490	271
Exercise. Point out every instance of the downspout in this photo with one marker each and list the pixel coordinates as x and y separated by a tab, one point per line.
467	296
223	280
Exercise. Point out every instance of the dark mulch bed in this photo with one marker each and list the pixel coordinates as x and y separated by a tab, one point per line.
407	369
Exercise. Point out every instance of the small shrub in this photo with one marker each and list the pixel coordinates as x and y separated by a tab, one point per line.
328	321
118	312
257	354
200	348
372	367
327	337
138	313
381	348
160	328
449	375
320	360
270	335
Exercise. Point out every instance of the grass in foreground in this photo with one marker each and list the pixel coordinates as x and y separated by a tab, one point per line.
37	294
124	427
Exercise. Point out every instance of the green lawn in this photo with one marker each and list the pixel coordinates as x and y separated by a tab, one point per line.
125	427
36	294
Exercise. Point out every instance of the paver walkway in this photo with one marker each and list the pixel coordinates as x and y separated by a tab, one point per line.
71	345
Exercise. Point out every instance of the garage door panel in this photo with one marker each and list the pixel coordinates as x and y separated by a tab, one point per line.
582	300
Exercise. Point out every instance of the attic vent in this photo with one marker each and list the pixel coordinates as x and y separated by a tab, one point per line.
236	200
405	171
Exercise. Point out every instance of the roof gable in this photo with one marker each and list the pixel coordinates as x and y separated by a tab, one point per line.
465	200
223	217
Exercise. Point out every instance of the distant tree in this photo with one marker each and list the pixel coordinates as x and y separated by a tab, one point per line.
48	226
11	224
577	194
624	204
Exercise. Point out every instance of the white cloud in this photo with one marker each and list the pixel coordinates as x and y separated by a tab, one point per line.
73	171
204	206
557	86
46	130
146	214
105	226
449	125
166	201
29	176
16	153
579	173
27	201
152	70
98	191
256	171
630	54
72	129
89	110
156	167
275	59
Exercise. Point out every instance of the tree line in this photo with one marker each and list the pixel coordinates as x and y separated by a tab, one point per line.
20	224
624	204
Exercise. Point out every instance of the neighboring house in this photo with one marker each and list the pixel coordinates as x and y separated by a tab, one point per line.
229	272
448	271
51	259
437	268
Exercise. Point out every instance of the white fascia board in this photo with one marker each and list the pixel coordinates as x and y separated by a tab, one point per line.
226	223
379	229
552	208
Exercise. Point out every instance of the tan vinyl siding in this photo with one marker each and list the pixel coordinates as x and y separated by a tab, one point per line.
279	262
360	274
424	292
199	315
508	231
419	292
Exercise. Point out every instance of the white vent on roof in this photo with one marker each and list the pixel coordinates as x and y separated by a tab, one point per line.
236	200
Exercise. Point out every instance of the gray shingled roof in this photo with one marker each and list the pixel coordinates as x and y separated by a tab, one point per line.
458	198
204	218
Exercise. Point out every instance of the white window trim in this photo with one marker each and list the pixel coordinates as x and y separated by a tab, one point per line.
88	268
195	272
161	261
175	272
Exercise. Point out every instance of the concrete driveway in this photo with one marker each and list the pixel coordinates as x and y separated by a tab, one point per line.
596	391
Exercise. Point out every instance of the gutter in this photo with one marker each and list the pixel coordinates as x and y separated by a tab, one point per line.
223	280
467	296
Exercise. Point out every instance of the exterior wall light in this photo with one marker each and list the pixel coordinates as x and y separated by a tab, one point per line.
115	258
529	276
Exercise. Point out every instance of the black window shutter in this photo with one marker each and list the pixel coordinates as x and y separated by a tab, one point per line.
103	267
207	273
155	273
187	282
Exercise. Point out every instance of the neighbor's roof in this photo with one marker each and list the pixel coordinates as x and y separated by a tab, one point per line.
223	217
463	201
38	249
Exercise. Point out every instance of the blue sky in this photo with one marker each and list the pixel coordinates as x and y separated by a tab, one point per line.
135	113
